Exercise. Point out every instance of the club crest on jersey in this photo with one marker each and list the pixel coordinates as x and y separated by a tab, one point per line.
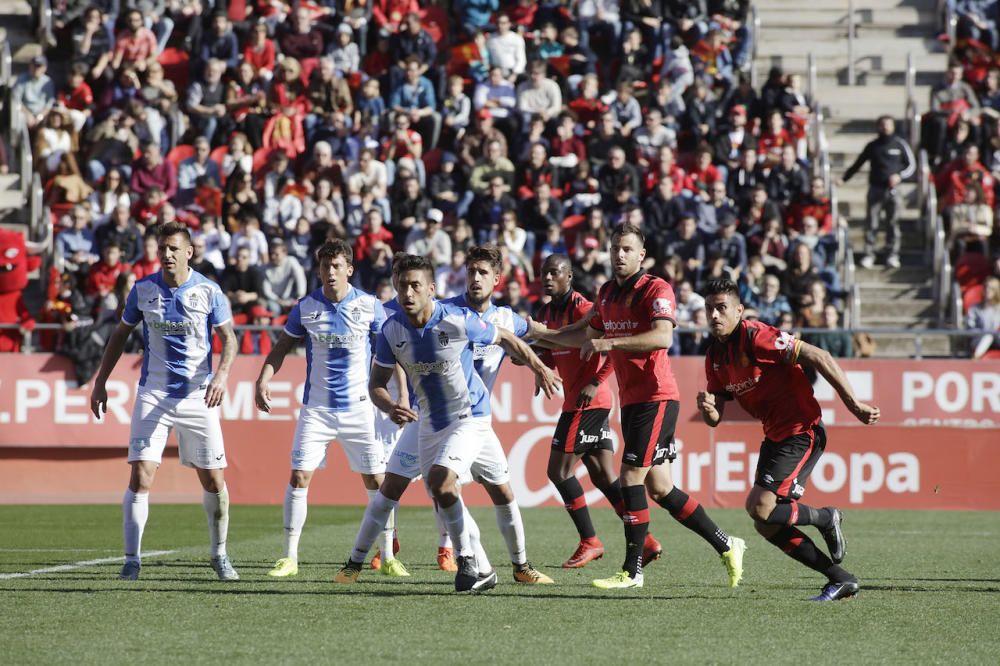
662	306
443	338
193	299
356	314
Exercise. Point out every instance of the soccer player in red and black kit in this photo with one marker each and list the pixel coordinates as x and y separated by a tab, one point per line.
761	368
583	431
632	321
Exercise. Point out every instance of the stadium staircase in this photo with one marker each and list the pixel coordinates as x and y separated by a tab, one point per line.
891	38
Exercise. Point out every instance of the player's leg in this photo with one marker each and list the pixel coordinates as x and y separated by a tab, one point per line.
215	501
564	454
373	524
443	483
446	553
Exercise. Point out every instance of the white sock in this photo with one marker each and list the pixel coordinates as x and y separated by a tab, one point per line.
135	510
384	540
509	522
217	509
482	559
296	508
376	514
444	539
454	518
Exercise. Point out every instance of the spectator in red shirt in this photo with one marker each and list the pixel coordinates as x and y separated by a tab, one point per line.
78	98
150	261
260	52
151	170
773	139
389	13
815	204
300	40
955	179
103	274
135	45
372	236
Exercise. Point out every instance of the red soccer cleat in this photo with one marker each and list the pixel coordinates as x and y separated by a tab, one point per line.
446	560
588	551
651	549
377	560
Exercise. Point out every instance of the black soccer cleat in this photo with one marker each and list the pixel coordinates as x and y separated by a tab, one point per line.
833	535
485	581
837	591
467	575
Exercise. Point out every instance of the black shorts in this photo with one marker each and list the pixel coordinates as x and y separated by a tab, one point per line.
785	466
648	430
582	431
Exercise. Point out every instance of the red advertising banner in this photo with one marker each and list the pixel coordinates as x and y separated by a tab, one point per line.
937	445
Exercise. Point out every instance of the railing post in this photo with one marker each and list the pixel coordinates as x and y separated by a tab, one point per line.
850	43
811	80
755	23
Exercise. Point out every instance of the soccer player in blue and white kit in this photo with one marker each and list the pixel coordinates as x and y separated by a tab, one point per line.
338	323
179	309
434	344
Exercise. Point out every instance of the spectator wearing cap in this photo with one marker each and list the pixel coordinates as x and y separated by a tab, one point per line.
220	43
206	100
539	95
34	93
506	49
194	167
415	97
243	284
428	239
151	170
284	279
136	45
344	52
299	38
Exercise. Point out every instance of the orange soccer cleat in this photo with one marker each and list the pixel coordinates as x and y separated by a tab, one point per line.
588	551
446	560
651	549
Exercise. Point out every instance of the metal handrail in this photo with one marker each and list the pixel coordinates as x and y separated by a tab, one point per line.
912	105
911	76
811	85
6	65
755	23
851	75
45	22
923	178
36	206
949	21
27	161
957	319
931	222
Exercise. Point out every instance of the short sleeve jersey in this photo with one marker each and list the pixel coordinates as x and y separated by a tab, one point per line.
757	366
438	360
576	374
177	325
487	359
338	346
630	309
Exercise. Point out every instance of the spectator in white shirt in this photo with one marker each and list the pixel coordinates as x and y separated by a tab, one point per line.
506	49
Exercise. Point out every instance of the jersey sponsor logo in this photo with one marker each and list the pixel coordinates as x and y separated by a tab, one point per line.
745	386
341	341
481	353
438	367
618	326
663	307
173	327
443	338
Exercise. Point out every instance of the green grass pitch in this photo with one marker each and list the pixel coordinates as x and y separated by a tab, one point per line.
931	594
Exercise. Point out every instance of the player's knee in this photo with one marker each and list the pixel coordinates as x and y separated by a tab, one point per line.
141	480
559	469
502	494
371	481
759	506
300	478
393	486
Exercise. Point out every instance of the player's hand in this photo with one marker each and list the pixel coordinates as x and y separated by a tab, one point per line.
547	381
586	396
99	399
263	397
596	346
867	414
706	404
401	414
216	389
535	330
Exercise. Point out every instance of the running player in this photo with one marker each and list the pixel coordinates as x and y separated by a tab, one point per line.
761	368
179	309
338	323
583	432
434	344
632	322
482	267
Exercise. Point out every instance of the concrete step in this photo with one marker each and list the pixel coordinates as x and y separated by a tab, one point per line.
857	189
798	61
778	42
909	310
880	291
910	274
18	33
841	5
896	321
905	346
10	193
867	75
910	242
829	16
836	33
855	212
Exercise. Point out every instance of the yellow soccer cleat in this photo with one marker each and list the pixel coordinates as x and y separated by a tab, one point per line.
526	573
394	569
284	568
348	574
619	581
733	560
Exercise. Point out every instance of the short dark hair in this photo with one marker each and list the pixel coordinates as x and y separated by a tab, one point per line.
414	262
488	253
335	248
168	229
627	230
722	286
558	260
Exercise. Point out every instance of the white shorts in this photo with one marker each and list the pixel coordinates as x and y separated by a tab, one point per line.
199	435
353	428
387	433
468	447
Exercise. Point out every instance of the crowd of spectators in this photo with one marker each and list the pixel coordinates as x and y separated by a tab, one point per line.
269	126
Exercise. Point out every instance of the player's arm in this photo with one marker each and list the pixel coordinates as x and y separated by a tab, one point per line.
404	389
660	336
571	335
712	407
520	351
589	391
113	352
217	387
273	362
378	389
821	360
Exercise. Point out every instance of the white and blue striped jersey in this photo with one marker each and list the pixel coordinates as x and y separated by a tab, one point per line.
438	362
177	328
488	358
338	346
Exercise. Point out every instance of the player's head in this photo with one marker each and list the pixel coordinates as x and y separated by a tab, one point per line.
483	264
174	248
335	259
396	259
723	307
557	274
628	250
415	284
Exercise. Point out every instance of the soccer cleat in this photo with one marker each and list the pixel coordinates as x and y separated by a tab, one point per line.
377	560
526	573
733	560
651	549
224	568
285	567
588	551
619	581
394	569
130	571
893	261
446	559
837	591
834	537
486	581
349	573
466	576
867	261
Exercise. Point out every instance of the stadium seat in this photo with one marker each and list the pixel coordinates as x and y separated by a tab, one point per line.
971	295
180	153
570	225
176	66
971	268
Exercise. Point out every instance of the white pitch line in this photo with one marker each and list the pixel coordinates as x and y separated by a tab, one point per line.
79	565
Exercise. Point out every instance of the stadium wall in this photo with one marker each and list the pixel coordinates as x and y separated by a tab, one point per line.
937	446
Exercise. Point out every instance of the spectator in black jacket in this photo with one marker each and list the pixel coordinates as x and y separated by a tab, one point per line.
617	175
742	180
484	215
891	161
661	212
787	181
